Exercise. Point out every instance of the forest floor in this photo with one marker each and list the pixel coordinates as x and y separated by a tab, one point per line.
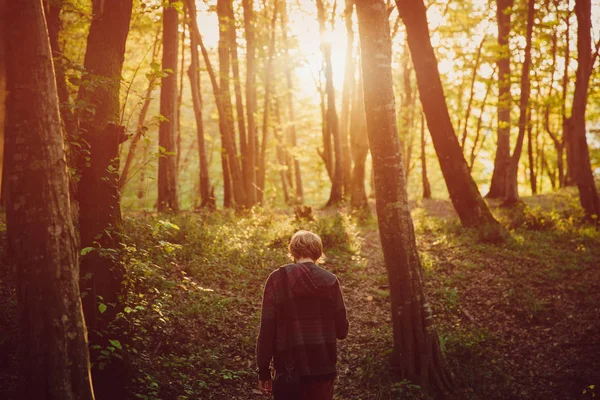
516	320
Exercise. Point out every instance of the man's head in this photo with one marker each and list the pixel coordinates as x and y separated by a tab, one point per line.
305	244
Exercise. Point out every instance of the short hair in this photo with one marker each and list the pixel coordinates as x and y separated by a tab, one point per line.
306	244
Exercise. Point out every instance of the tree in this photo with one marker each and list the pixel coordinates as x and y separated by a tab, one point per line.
468	203
100	223
417	354
290	103
261	164
502	161
167	132
360	148
41	237
580	156
226	24
424	179
194	74
511	194
141	125
331	120
347	97
251	102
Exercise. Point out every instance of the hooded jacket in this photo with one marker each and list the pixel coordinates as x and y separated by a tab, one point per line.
317	314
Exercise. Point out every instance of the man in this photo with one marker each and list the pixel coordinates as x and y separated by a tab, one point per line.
302	306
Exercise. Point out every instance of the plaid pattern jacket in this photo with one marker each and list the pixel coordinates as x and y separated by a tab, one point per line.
318	316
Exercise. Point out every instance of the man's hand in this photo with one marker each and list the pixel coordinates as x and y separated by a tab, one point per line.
265	386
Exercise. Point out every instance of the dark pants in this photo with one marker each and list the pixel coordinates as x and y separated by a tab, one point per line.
312	388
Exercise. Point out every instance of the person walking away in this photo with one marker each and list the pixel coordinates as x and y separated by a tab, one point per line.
303	315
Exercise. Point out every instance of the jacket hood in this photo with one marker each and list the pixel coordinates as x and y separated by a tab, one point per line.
307	279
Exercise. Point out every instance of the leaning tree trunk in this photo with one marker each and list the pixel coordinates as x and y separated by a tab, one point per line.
511	194
468	203
41	237
206	200
582	172
167	130
98	191
417	355
502	161
332	127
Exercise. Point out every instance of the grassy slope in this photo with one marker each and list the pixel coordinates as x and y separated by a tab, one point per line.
517	320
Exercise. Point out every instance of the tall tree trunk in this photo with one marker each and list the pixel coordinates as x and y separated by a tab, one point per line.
424	179
417	355
347	96
180	93
3	94
223	128
530	149
280	149
262	167
335	196
98	189
54	360
167	131
224	11
251	103
141	127
502	161
568	176
291	110
582	170
206	200
360	147
468	203
239	105
511	196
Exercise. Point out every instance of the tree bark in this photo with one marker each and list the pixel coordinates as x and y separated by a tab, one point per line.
41	238
468	203
332	127
582	170
360	148
511	195
167	132
100	222
417	355
502	161
3	94
251	102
